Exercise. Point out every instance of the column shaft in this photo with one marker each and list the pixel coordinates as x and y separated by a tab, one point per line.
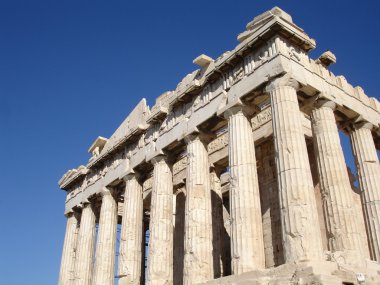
85	247
247	243
130	252
104	269
300	227
160	254
338	204
66	274
368	168
198	222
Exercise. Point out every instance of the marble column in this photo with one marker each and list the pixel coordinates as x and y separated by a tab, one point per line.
66	274
104	268
247	245
160	251
300	226
198	266
368	168
217	223
338	204
130	252
85	246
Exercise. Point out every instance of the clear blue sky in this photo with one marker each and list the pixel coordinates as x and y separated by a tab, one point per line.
72	70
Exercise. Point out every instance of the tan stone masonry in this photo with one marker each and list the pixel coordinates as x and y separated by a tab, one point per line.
237	176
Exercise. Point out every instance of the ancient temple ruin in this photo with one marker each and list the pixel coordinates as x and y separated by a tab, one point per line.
238	176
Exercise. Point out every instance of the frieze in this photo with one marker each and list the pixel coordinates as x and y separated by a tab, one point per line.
151	137
255	59
291	51
233	75
219	143
77	188
176	116
180	165
203	98
261	118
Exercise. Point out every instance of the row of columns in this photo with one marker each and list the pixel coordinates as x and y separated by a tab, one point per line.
300	227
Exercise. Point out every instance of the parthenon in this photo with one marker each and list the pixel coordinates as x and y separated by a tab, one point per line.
237	176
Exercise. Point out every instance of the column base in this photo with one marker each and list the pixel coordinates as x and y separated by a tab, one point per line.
307	273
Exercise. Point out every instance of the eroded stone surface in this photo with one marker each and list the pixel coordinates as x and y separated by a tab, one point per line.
104	267
367	163
198	261
300	230
160	262
247	246
130	252
66	274
85	247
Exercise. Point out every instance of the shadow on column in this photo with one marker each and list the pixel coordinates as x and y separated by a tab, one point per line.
217	226
270	204
179	239
226	239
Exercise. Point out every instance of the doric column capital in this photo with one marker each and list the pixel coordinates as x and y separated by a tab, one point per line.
233	111
70	213
235	107
283	81
203	137
362	125
131	175
75	212
158	159
85	203
325	103
105	191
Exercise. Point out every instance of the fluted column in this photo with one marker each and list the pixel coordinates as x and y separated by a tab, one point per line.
104	268
247	245
198	222
160	252
130	252
368	168
85	246
338	204
300	227
66	274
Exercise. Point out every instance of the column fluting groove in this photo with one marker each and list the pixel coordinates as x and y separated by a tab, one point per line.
104	269
160	254
337	197
66	274
368	168
130	251
247	245
300	227
84	256
198	262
